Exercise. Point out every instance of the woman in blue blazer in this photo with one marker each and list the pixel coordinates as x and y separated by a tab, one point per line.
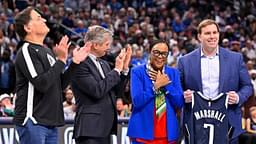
156	92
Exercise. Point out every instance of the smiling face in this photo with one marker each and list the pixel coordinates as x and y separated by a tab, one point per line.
158	55
209	37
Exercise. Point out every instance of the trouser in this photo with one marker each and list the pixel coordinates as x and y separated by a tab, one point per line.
92	140
32	133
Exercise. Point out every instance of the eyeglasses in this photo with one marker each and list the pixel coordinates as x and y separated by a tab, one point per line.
157	53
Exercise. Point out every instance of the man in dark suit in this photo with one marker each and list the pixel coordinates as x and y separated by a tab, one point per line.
212	69
93	85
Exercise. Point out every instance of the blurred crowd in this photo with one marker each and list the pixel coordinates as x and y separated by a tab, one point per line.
136	22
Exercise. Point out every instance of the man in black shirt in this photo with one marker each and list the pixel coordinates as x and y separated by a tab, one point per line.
40	80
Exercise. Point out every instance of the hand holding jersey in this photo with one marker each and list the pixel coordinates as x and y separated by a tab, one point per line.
188	95
233	97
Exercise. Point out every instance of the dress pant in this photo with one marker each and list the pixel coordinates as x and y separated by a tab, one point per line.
92	140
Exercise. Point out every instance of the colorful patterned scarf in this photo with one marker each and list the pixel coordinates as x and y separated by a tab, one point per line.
160	103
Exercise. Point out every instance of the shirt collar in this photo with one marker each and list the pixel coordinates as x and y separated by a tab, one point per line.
93	57
202	53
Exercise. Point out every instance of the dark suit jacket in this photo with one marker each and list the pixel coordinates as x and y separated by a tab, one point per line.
95	99
233	77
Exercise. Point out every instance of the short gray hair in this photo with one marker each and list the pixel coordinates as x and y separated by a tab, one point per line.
96	34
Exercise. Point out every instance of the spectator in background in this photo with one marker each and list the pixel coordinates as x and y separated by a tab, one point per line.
80	29
137	59
174	55
115	5
249	50
107	22
229	33
4	23
22	4
253	78
12	36
73	4
156	93
4	41
84	4
40	80
69	105
42	6
178	25
225	43
235	46
7	106
122	109
5	7
69	20
251	125
252	99
250	65
7	75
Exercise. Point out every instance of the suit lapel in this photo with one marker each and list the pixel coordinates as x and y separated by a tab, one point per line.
106	69
223	69
196	67
104	66
94	68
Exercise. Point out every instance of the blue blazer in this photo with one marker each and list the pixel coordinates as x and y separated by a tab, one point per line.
233	77
141	124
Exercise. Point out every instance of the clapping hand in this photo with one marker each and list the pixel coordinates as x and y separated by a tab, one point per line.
61	49
127	57
119	64
79	54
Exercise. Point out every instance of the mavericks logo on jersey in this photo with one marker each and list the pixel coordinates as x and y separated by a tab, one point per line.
207	113
51	60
